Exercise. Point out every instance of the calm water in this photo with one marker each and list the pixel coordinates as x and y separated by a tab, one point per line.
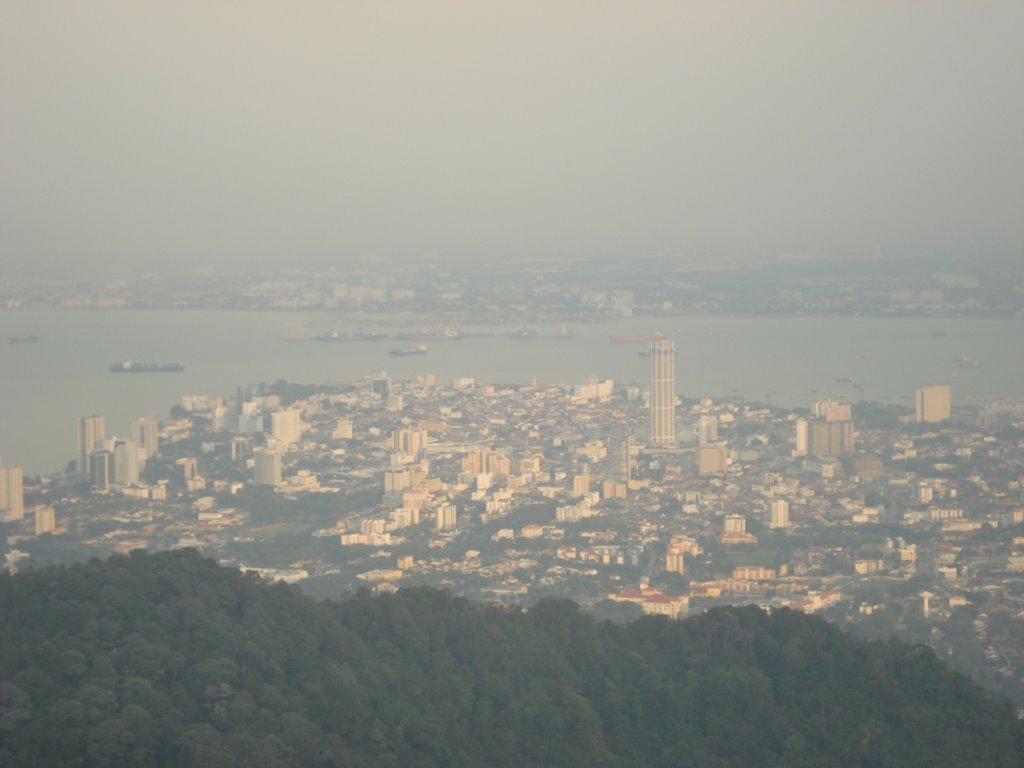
46	386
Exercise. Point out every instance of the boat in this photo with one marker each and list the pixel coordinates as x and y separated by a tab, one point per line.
528	333
130	366
659	336
968	362
419	349
22	339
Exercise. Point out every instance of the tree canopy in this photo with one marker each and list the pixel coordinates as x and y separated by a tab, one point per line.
171	660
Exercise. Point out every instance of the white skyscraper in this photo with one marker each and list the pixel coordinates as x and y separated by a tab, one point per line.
286	426
91	432
126	462
802	437
663	393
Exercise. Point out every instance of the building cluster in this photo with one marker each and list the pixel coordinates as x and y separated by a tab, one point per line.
115	461
607	494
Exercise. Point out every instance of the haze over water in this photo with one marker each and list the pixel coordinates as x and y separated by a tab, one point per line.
788	362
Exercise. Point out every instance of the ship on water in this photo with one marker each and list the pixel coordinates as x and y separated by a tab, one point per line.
22	339
419	349
130	366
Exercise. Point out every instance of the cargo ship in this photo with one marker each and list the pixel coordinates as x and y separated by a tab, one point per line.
129	366
22	339
419	349
659	336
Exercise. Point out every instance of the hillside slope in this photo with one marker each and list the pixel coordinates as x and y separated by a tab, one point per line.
169	659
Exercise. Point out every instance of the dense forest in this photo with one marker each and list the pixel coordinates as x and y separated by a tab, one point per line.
170	660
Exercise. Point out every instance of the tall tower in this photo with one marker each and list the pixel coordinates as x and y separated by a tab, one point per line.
126	462
620	459
144	433
663	393
12	495
91	432
101	470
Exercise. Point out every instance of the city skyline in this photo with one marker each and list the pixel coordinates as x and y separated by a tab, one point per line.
366	353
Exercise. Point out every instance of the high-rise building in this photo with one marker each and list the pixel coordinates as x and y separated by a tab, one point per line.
410	441
144	434
46	519
381	384
250	423
933	403
581	485
497	464
620	457
802	437
286	426
779	514
101	470
241	450
91	431
819	407
675	555
219	419
266	467
126	462
830	438
707	430
396	481
663	393
839	412
446	517
12	494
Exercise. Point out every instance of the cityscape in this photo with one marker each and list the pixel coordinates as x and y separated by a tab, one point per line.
625	497
512	385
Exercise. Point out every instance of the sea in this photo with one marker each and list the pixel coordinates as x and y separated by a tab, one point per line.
47	384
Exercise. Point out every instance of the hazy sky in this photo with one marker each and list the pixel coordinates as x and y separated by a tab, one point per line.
149	131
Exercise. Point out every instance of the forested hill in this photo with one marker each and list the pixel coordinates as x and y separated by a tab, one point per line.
169	659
